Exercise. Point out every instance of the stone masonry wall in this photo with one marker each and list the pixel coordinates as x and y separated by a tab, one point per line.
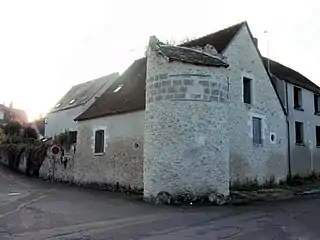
122	161
186	142
185	86
249	161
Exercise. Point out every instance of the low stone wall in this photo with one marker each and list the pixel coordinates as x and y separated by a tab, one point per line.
61	168
58	167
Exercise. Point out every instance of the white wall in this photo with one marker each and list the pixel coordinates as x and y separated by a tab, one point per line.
304	158
122	161
63	120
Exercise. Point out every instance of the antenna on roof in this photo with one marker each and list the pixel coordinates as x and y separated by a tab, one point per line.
268	49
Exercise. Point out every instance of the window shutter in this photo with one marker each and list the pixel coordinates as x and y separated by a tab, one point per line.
257	131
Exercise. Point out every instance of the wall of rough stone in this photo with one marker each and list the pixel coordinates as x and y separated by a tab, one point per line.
248	161
58	167
122	161
186	142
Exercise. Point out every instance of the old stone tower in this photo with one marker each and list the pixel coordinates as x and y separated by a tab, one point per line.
186	130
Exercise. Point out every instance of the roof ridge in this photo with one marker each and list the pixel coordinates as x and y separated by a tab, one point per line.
95	79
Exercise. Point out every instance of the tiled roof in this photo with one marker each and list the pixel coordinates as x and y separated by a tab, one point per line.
189	55
290	75
82	93
126	94
131	97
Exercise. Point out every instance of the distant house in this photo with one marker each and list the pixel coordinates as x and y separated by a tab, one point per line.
74	102
8	114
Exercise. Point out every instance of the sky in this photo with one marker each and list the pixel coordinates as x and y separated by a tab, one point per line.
47	46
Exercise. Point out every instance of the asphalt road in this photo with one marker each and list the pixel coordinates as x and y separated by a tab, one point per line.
31	209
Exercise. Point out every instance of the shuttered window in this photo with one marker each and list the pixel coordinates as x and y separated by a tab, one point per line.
99	141
256	130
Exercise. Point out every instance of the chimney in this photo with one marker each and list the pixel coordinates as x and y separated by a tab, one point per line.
11	105
255	40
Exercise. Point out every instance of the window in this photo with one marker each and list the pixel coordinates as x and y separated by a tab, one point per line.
299	132
247	90
58	105
297	94
316	104
1	115
256	130
118	88
318	135
73	136
72	101
99	141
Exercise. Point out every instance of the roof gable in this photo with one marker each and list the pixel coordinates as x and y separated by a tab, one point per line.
220	40
289	75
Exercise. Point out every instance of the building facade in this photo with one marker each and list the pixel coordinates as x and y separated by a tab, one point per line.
301	99
75	102
188	140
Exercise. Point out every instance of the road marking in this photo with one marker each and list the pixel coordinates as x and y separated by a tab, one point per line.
13	194
24	204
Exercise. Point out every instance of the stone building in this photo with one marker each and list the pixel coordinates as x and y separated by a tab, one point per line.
75	102
191	118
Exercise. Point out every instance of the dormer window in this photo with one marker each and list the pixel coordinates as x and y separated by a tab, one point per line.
72	101
118	88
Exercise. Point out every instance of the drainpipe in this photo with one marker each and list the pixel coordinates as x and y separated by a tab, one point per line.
288	130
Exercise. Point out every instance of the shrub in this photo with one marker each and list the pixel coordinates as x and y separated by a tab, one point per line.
30	133
35	154
12	128
2	135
